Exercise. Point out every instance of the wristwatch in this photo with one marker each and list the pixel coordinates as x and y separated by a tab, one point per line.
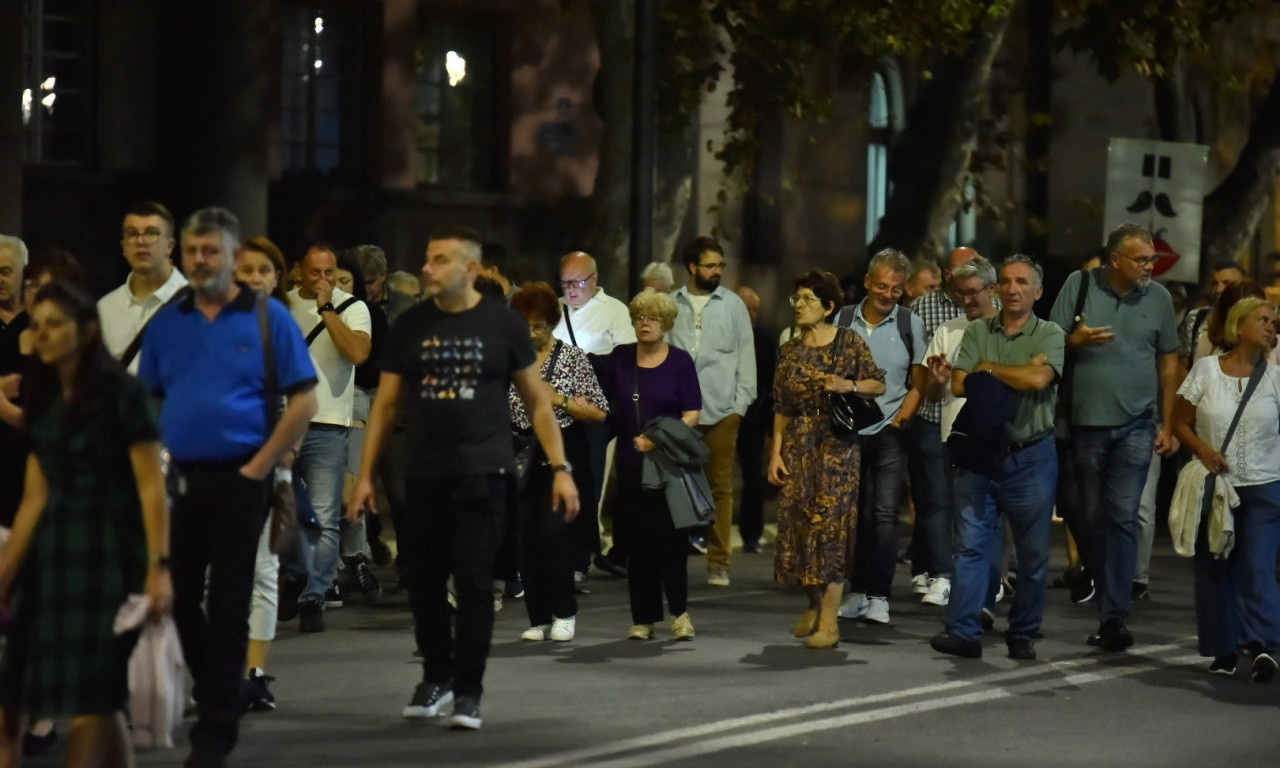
855	386
565	467
326	307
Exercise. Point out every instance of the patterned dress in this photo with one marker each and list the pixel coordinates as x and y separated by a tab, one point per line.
818	511
87	554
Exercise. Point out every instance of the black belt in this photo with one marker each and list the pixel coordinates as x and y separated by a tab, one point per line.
326	427
1015	447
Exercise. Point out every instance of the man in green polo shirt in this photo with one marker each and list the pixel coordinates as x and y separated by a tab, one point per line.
1024	354
1125	344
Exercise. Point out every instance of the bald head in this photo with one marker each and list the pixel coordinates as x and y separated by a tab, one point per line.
752	300
578	278
961	255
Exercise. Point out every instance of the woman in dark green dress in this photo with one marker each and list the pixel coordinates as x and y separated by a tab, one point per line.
91	530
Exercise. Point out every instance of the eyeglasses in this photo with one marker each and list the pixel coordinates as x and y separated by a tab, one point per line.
1143	261
579	284
646	319
146	236
539	327
796	300
893	290
972	293
718	266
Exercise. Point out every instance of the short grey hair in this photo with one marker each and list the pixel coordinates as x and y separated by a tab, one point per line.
211	220
979	267
400	280
18	247
1117	236
892	260
661	272
1020	258
372	261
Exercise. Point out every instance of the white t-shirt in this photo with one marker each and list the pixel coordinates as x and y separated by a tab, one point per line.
336	375
699	304
122	315
1253	456
598	326
946	341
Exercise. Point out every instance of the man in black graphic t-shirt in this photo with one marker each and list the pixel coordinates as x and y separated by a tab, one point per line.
448	363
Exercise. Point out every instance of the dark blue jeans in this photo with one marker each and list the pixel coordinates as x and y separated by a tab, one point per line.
1023	495
1111	469
1257	539
927	465
884	466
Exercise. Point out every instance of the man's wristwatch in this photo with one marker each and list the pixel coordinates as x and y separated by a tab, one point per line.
326	307
565	467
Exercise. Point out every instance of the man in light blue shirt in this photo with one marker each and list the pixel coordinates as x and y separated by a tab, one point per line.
896	338
714	326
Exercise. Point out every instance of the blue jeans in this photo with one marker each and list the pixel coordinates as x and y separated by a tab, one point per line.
927	465
1111	470
1257	539
884	465
1023	495
317	476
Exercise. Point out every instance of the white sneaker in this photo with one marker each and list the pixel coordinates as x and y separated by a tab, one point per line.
853	607
562	629
718	577
939	591
536	633
877	610
920	583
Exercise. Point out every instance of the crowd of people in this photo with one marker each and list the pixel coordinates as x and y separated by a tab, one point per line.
151	436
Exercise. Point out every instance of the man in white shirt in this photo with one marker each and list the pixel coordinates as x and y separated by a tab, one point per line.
147	241
337	328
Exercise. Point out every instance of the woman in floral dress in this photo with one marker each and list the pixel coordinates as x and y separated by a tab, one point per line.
818	472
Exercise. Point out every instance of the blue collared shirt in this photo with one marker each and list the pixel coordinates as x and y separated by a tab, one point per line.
724	353
885	341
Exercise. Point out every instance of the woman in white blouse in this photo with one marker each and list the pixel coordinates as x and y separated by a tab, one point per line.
1237	600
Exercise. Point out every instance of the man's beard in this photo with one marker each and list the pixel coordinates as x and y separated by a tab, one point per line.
211	284
708	285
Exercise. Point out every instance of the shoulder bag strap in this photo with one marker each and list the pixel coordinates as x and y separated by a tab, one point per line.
568	324
1255	376
272	388
908	338
1195	329
135	346
635	390
1069	356
555	355
319	327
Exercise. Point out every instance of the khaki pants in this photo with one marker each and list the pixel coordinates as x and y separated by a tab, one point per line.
722	439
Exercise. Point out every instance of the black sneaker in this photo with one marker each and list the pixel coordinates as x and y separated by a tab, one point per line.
311	616
257	697
1082	589
955	645
1021	649
610	566
33	745
291	587
1139	591
697	544
513	589
380	552
333	596
1264	668
1223	665
466	714
988	620
370	588
428	700
1112	636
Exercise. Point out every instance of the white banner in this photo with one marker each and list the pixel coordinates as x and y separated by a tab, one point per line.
1160	185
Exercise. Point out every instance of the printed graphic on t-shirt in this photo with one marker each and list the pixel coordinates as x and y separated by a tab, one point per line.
451	367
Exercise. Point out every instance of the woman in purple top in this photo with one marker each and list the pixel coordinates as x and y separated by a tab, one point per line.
643	381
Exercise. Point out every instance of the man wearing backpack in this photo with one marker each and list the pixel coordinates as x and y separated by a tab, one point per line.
896	339
337	328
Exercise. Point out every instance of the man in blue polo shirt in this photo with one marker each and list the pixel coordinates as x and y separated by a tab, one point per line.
1125	345
204	355
897	342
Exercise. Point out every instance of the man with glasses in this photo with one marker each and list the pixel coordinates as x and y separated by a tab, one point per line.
596	322
713	326
896	339
147	241
1125	342
927	459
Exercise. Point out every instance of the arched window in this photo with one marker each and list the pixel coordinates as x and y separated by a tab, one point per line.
884	120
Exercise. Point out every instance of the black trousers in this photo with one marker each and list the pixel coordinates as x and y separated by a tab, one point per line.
214	527
753	433
657	560
545	545
454	525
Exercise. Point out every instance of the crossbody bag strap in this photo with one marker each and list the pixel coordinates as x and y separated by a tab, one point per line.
319	327
568	324
135	346
1255	376
635	390
1069	361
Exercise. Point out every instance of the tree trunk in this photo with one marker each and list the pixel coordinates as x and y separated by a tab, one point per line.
1039	97
677	159
1168	86
930	159
1234	209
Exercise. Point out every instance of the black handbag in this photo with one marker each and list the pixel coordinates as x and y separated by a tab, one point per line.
850	413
